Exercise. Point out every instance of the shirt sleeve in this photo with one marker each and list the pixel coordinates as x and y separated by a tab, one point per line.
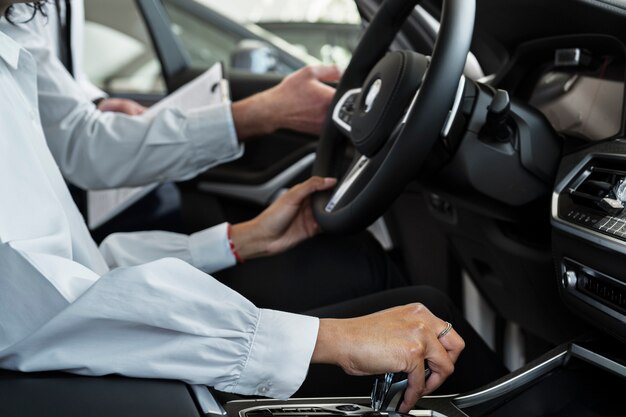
164	319
138	150
90	91
208	250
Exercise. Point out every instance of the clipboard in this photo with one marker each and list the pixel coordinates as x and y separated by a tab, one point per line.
210	88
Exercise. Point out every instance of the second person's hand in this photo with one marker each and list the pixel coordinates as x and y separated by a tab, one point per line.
284	224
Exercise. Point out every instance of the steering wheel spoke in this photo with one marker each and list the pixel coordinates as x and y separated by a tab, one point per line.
354	173
344	110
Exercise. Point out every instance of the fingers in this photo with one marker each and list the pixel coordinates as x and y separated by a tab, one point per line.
326	73
301	191
440	353
132	109
119	105
441	367
453	344
414	389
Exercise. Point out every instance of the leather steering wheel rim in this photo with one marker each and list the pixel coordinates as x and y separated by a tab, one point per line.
421	127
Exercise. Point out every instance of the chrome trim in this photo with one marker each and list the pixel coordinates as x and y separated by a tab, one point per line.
415	97
342	400
347	182
510	384
207	402
455	108
413	101
426	413
329	407
598	360
339	106
381	232
590	235
262	193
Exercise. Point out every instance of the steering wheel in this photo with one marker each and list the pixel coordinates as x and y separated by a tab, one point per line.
391	108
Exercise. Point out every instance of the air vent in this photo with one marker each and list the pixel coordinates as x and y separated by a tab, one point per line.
601	189
609	293
595	199
592	284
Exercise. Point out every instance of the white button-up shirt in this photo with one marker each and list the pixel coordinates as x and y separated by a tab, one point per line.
62	307
103	150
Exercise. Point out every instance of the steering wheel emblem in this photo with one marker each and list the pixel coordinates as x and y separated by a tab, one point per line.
372	94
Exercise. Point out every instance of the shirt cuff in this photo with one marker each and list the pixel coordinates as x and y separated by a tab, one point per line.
210	249
212	132
280	354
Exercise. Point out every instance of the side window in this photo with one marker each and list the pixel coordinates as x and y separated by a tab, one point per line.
204	42
209	37
118	53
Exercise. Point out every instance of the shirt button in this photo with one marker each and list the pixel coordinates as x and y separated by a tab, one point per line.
264	389
33	115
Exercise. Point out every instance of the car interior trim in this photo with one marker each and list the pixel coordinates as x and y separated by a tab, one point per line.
381	232
415	97
206	401
295	411
598	360
348	181
455	108
511	384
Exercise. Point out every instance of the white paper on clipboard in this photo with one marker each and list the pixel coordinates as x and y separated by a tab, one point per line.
205	90
210	88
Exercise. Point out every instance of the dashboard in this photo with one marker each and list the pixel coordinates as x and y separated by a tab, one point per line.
575	81
587	103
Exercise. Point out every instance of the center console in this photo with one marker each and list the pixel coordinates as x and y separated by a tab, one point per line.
575	380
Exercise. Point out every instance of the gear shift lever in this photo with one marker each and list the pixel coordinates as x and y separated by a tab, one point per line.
386	394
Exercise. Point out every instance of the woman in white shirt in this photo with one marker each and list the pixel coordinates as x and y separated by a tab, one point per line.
64	307
98	151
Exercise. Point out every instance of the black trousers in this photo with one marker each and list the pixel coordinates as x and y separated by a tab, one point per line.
321	271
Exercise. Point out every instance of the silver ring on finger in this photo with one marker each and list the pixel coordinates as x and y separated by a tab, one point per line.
445	331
